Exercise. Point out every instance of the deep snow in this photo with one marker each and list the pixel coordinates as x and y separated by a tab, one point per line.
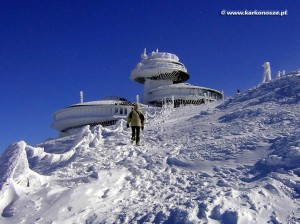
236	161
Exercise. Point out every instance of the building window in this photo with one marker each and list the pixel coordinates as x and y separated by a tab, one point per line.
121	110
125	111
116	110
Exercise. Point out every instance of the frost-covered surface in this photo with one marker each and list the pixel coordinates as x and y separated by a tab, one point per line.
155	64
237	161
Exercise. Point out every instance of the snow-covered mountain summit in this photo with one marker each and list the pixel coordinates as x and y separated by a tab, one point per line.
236	161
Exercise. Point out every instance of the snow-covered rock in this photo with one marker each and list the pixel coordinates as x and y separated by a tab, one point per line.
236	161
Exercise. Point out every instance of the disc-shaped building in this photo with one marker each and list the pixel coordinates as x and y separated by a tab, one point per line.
164	76
105	112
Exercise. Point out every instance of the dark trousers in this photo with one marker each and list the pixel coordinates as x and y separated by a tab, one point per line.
136	133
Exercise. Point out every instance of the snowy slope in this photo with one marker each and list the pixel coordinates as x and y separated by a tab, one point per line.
237	161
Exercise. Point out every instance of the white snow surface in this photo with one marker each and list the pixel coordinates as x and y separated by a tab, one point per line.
236	161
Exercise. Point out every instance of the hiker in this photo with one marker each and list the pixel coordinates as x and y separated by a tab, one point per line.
136	121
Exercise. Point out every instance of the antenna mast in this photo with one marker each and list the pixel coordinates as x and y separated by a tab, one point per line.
81	96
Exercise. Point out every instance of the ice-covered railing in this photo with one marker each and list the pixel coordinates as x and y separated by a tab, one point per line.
163	56
165	110
149	113
119	126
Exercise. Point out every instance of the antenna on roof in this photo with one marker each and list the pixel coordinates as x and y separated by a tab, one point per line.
144	55
81	96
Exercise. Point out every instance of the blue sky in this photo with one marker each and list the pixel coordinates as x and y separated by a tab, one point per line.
50	50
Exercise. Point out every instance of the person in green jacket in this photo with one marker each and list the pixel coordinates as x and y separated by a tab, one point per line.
136	121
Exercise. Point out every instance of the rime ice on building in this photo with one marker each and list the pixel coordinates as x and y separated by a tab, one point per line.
164	76
105	112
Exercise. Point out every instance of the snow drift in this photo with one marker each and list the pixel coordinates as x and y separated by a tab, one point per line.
236	161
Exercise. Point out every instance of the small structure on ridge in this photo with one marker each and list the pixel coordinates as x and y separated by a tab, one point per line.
267	72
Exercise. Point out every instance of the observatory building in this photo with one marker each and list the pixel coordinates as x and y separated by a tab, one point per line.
164	76
164	79
105	112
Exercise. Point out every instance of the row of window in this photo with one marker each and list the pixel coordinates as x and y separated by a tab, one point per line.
121	111
204	93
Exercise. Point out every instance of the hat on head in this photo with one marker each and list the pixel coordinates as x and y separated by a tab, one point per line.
136	107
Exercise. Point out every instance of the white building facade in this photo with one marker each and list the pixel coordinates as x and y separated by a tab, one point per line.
105	112
164	76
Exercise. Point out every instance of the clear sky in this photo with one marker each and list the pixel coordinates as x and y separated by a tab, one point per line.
50	50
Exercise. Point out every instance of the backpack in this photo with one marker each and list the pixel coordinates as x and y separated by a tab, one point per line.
141	116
